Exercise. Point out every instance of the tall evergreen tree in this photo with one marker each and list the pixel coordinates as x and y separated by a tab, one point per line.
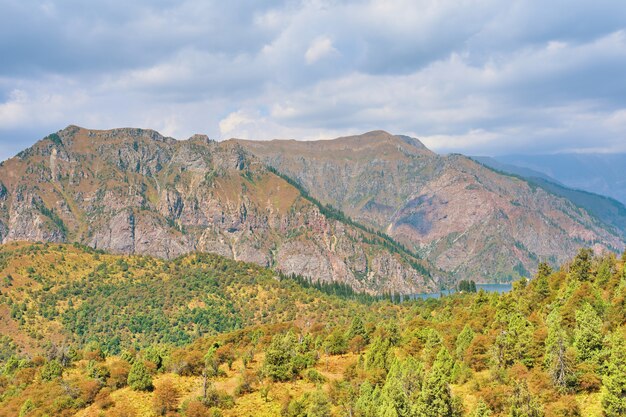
606	268
614	390
368	401
377	356
541	283
436	399
588	333
139	377
318	404
580	269
557	360
357	328
513	343
463	340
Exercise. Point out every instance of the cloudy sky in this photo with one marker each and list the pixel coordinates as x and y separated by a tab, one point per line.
471	76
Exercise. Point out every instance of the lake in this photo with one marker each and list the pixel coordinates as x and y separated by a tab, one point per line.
499	288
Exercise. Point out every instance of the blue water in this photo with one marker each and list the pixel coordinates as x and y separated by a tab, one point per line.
499	288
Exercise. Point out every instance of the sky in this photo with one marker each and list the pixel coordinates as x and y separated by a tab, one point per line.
478	77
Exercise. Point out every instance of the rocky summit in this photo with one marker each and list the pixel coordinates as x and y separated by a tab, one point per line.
134	191
469	220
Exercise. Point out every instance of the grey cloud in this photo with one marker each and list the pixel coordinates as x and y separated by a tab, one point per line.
470	76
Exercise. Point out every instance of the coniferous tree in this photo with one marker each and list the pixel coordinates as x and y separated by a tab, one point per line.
513	343
614	391
541	284
139	378
51	370
463	340
368	401
336	343
436	399
588	333
279	358
357	328
401	391
557	360
606	268
580	269
377	356
393	399
317	404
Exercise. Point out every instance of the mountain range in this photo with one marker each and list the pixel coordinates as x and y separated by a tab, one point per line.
603	173
379	212
468	219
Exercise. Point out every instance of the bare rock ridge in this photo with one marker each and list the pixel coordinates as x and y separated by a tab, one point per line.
135	191
466	218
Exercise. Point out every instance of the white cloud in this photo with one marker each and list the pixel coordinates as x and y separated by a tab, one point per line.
476	76
320	48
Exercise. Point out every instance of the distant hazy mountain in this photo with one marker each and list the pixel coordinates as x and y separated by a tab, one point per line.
598	173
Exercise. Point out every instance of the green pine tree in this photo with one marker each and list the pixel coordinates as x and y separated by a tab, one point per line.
463	340
436	399
557	360
318	404
541	283
367	403
580	269
514	343
51	370
606	268
279	358
588	333
614	382
377	356
139	378
357	328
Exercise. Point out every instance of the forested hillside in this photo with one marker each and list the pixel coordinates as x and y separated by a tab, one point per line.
89	334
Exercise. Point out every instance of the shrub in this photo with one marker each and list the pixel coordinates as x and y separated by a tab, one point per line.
165	397
51	370
119	374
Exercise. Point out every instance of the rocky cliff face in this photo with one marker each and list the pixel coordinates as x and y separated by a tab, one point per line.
134	191
467	219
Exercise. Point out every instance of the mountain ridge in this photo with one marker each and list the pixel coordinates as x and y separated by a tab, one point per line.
446	207
320	209
134	191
